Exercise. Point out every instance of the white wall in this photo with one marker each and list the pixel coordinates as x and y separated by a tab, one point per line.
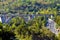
0	19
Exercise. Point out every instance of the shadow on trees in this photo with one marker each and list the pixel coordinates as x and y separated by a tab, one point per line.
8	36
37	37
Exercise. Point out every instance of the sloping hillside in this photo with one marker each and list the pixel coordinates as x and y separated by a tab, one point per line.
9	5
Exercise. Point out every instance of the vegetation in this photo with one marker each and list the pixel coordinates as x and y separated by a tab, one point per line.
34	29
20	30
30	6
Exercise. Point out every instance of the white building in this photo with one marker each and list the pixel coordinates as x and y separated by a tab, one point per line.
0	19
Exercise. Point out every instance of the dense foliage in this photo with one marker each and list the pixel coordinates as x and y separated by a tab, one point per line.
34	29
26	6
18	29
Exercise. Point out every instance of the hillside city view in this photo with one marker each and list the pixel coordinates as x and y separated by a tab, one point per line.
29	19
